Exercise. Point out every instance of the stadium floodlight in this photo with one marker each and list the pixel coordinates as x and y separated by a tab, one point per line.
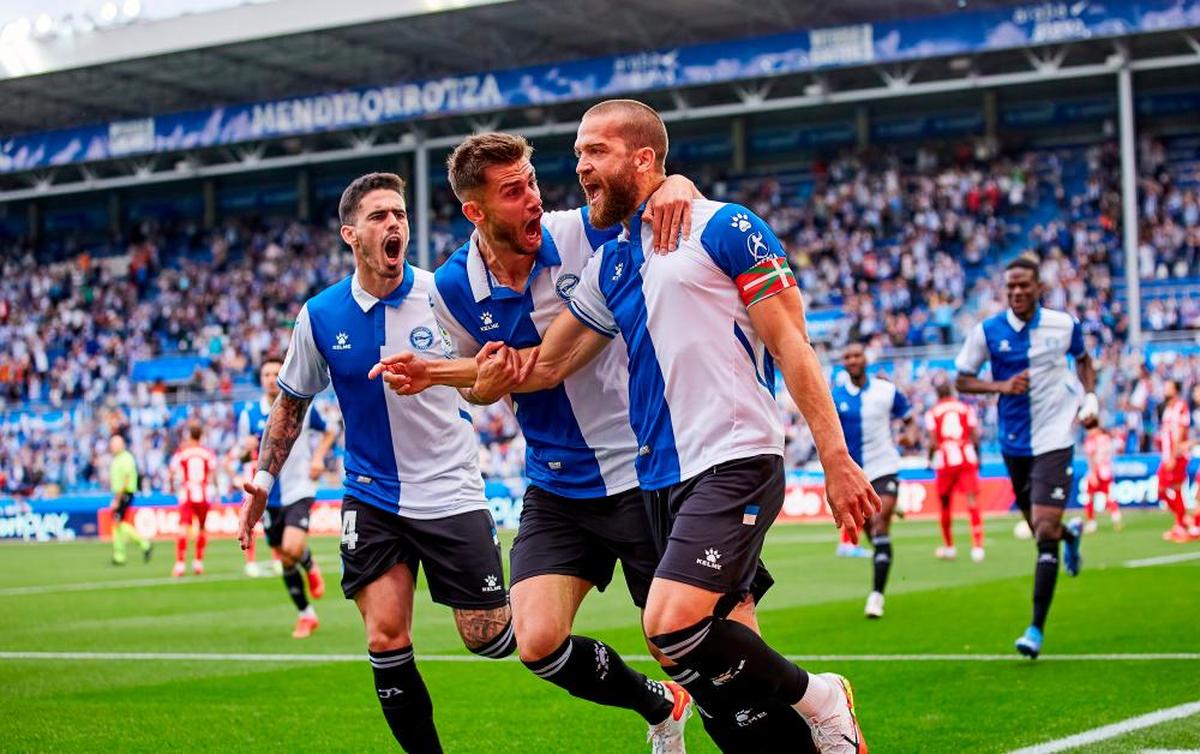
132	8
44	24
17	30
108	12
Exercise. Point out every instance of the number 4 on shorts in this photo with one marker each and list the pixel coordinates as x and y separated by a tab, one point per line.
349	524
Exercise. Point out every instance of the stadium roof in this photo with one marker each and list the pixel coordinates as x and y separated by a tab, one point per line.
294	47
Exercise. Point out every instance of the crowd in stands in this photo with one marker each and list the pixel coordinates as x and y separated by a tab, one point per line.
905	249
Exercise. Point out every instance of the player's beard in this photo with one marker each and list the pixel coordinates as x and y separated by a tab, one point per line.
510	237
619	200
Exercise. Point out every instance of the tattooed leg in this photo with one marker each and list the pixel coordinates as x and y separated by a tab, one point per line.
488	633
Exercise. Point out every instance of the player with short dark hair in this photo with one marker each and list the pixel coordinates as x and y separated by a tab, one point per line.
1028	346
414	495
867	408
289	506
193	477
954	428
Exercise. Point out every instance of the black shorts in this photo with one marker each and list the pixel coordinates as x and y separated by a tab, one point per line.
275	520
888	484
1046	479
585	538
711	527
122	507
461	553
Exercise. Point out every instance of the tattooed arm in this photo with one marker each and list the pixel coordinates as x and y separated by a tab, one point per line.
283	428
304	374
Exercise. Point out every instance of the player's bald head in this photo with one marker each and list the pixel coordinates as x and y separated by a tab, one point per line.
638	125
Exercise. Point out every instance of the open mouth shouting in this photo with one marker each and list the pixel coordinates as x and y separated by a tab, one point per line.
531	232
393	248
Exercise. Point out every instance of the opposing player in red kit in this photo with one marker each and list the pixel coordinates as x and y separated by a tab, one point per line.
954	427
1172	465
193	473
1098	447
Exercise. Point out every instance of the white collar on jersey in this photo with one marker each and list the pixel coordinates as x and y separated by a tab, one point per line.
477	271
1018	324
853	389
366	300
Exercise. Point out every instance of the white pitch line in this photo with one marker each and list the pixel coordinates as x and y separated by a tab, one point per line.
281	657
1169	751
1162	560
129	584
1114	730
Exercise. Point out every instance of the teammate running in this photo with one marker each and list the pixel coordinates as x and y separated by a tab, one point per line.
123	479
954	427
1098	446
193	475
414	494
1173	446
1028	346
866	409
285	522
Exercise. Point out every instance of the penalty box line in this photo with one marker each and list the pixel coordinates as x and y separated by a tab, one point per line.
1114	730
297	657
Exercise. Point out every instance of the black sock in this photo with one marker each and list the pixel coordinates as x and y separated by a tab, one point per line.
295	586
735	660
306	560
592	670
737	727
882	560
1045	575
405	700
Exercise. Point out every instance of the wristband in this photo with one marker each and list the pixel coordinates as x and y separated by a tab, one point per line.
264	480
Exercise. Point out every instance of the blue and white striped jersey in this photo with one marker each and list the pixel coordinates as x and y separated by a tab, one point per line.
866	414
413	455
1042	419
293	483
701	383
577	435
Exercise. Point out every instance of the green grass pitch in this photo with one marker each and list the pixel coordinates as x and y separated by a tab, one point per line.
910	704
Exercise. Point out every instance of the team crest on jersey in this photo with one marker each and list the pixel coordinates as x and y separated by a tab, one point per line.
1004	346
421	338
341	342
565	286
741	221
757	246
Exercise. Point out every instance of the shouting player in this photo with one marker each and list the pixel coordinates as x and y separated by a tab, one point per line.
289	505
193	473
1173	445
583	509
866	409
1028	346
954	427
414	495
1098	447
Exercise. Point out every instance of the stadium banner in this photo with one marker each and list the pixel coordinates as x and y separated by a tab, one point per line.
961	33
157	515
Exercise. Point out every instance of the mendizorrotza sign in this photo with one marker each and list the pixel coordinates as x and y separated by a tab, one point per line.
965	32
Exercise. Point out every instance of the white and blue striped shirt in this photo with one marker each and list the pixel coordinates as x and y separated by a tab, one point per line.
1042	419
412	455
866	414
578	440
701	383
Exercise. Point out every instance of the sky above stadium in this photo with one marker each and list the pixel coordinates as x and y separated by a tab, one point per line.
39	17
